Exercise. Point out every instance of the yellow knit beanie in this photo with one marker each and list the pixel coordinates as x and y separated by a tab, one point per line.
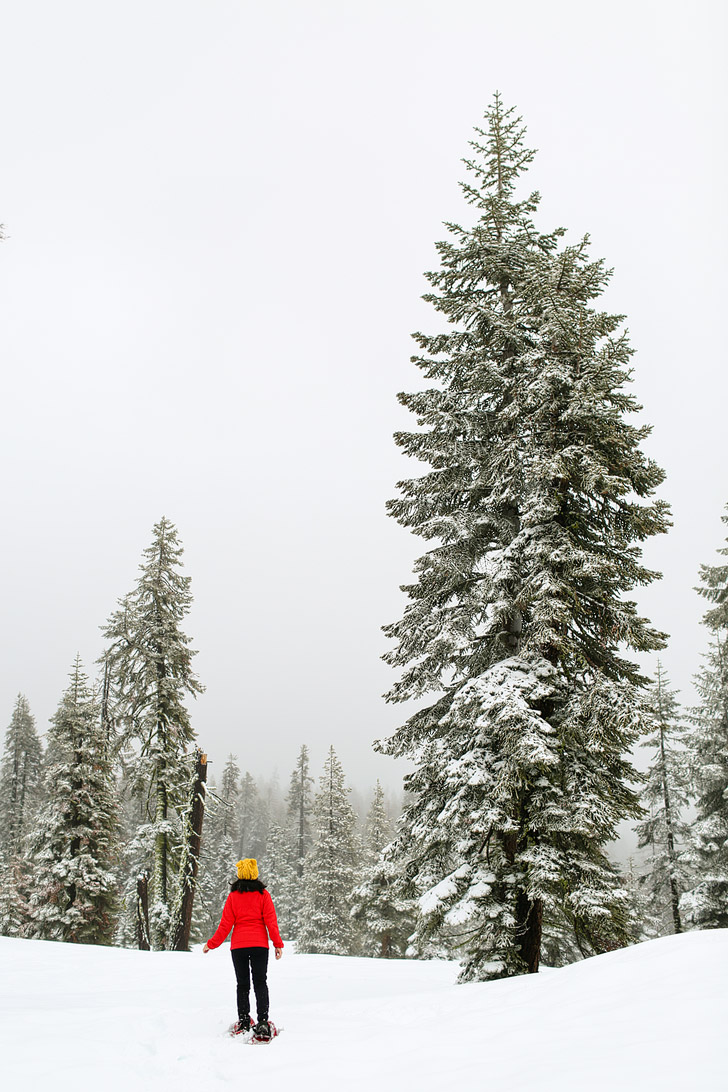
247	869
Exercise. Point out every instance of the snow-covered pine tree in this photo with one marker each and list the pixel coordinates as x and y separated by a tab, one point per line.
226	847
253	818
278	868
385	916
74	843
520	613
230	792
15	910
666	796
714	588
331	869
20	778
706	905
299	802
150	675
377	827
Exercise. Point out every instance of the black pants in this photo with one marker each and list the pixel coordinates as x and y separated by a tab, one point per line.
245	960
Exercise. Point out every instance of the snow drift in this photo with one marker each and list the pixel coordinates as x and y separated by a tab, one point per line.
648	1017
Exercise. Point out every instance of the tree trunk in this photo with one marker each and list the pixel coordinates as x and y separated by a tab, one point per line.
190	858
528	911
160	867
142	914
529	925
671	854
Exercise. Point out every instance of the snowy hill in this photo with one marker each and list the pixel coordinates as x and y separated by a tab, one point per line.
104	1019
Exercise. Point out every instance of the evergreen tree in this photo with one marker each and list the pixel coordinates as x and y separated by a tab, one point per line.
150	675
253	818
330	869
299	802
383	913
706	905
520	613
20	778
74	844
714	588
230	792
377	827
20	788
278	866
15	910
665	797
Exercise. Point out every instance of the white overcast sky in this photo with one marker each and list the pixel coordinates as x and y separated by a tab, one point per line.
218	216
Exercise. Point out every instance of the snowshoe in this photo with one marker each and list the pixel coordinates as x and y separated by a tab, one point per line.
241	1026
263	1032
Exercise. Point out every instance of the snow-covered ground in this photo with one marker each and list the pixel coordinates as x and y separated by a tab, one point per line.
101	1019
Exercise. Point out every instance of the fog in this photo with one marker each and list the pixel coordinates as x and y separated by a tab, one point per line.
218	216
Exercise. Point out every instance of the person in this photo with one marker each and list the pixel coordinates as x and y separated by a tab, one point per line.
250	913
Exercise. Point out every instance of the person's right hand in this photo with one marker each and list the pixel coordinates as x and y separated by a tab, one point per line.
279	953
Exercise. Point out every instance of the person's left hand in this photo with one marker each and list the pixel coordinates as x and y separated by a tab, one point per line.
206	949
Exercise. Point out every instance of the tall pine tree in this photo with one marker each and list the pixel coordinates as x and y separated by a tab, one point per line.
278	870
520	613
384	915
706	905
253	818
714	588
20	790
20	778
330	870
150	676
299	806
74	844
666	795
299	802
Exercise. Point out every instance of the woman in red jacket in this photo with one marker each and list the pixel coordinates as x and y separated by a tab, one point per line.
250	913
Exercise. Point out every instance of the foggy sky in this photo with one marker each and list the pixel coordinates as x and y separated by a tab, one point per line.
218	218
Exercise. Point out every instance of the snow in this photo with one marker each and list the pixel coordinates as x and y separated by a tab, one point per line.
648	1017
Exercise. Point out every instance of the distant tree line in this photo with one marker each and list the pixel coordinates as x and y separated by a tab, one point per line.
100	823
92	830
98	840
314	853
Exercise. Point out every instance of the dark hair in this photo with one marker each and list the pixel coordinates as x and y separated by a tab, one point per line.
248	885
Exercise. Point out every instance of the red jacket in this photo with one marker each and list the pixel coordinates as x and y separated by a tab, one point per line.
252	918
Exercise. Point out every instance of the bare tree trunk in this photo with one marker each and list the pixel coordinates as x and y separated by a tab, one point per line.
142	914
190	858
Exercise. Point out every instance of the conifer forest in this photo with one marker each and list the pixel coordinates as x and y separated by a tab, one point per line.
537	719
